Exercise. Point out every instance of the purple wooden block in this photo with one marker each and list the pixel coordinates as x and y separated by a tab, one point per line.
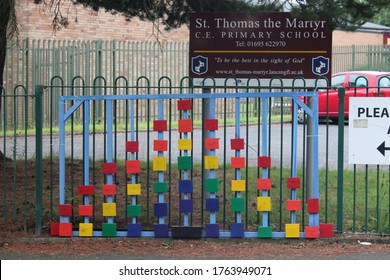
160	209
237	230
160	230
186	186
186	206
212	230
212	204
134	230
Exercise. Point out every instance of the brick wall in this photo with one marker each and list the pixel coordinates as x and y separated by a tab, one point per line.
85	24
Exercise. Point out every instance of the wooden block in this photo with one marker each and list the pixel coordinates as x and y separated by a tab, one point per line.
65	229
238	204
237	144
264	184
313	206
212	230
237	230
211	162
134	230
85	190
238	162
293	183
186	186
160	187
264	162
263	203
292	231
54	228
109	209
109	229
184	104
133	166
293	205
159	164
211	185
85	210
133	210
160	125
65	210
212	143
132	147
160	209
312	232
85	229
212	205
187	232
326	231
161	230
160	145
264	232
133	189
185	125
184	162
186	206
109	167
109	189
210	124
184	144
238	185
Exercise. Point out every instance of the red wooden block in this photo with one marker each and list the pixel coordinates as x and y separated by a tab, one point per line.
313	205
237	144
238	162
160	125
185	125
293	205
54	228
85	210
212	143
293	183
85	190
264	162
210	124
65	210
132	147
326	231
312	232
109	167
184	104
160	145
133	166
65	229
264	184
109	189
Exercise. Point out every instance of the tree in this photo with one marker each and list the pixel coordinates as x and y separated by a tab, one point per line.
383	16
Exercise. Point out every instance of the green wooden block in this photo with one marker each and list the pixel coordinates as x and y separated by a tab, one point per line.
264	232
109	229
238	204
211	185
133	210
184	163
160	187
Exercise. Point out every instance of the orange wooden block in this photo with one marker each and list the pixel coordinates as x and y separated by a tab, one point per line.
65	229
212	143
160	145
185	125
85	210
264	184
293	205
109	189
238	162
312	232
133	166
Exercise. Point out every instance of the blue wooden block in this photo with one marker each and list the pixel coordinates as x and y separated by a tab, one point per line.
237	230
161	230
160	209
212	204
212	230
186	186
134	230
186	206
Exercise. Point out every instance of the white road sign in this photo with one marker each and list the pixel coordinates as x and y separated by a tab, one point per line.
369	130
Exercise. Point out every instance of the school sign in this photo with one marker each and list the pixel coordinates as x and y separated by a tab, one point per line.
264	46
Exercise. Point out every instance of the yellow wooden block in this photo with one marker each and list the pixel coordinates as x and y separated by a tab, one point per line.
109	209
85	229
263	203
238	185
159	164
211	162
133	189
184	144
292	231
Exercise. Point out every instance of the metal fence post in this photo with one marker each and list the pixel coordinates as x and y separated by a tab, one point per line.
340	161
38	152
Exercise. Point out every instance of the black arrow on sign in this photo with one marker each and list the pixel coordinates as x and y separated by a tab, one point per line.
382	149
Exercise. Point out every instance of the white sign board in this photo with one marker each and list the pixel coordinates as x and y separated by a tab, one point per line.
369	130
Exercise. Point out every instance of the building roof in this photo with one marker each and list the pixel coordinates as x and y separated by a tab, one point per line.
373	28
